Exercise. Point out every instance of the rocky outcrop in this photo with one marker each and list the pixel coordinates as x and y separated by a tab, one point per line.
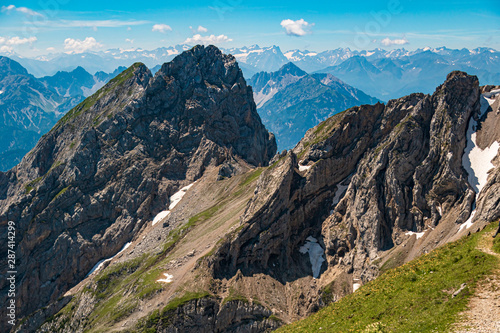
112	163
361	183
205	314
210	315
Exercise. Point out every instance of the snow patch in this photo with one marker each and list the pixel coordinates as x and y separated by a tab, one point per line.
490	96
315	254
476	161
174	200
168	278
419	234
338	194
289	55
355	286
467	224
440	210
304	167
177	196
160	216
101	263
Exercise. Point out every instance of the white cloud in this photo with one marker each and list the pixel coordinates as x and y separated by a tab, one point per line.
161	28
389	42
6	48
51	49
297	28
20	41
199	29
131	41
80	46
7	44
23	10
212	39
17	41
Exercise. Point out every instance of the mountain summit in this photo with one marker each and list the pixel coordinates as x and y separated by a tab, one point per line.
112	162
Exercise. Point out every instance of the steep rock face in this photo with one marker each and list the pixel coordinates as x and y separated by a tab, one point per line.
113	162
488	200
411	178
362	182
208	315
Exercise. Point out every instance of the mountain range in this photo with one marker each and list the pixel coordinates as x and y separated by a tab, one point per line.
158	204
290	101
30	107
379	73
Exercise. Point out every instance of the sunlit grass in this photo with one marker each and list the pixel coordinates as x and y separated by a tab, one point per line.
415	297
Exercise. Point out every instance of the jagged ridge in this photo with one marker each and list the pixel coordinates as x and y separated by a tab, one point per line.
111	163
362	182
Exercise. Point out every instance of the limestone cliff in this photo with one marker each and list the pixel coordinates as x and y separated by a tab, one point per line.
363	183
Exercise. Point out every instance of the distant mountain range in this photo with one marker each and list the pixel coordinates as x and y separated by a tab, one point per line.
290	101
106	61
388	78
380	73
29	107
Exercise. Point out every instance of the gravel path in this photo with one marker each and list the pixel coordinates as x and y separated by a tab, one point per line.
483	313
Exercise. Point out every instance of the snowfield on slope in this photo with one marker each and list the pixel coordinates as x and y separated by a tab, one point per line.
476	161
101	263
315	254
174	200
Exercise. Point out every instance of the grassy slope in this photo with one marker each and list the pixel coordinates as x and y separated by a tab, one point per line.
415	297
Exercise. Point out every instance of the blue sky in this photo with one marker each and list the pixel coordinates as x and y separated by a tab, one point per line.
39	27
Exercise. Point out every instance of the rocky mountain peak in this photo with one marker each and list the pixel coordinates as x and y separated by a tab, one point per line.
459	81
292	69
112	163
204	64
10	67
